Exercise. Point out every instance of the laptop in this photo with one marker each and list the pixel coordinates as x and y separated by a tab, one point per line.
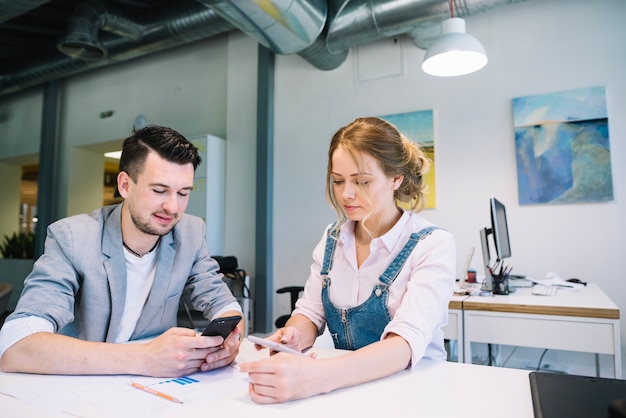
558	395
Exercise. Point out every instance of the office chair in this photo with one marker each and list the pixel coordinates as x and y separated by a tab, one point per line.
294	292
5	294
190	318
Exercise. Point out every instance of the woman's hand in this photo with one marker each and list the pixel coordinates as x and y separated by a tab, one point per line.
289	336
283	377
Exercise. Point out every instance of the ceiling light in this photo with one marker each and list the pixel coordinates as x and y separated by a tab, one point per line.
113	154
456	52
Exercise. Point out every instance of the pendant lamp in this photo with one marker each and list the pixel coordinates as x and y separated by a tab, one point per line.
456	52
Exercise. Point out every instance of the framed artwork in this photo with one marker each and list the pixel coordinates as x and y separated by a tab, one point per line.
562	147
418	127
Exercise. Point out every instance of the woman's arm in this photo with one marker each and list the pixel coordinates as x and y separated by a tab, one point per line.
285	377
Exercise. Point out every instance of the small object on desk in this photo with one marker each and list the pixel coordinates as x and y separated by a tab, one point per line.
520	282
459	291
544	290
155	392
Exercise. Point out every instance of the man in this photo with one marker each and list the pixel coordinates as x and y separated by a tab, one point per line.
118	274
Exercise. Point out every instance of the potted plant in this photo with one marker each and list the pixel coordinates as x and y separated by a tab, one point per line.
17	253
18	246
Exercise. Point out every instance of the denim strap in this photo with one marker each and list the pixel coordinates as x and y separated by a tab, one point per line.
396	265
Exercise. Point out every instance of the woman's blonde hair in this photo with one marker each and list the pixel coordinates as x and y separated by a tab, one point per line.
396	156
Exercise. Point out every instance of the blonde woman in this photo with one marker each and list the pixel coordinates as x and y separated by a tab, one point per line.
381	278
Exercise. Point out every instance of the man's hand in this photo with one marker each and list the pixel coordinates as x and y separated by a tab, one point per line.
224	354
178	352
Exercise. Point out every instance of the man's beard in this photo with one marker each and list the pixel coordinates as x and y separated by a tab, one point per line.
144	226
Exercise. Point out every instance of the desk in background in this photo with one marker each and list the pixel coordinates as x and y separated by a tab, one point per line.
584	320
454	329
432	389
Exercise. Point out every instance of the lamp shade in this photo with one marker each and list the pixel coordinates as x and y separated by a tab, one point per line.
455	53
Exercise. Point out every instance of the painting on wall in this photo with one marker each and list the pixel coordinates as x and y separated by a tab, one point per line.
418	127
562	147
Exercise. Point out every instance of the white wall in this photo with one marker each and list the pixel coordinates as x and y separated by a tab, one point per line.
534	47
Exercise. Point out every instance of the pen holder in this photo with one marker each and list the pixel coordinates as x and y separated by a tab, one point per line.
500	285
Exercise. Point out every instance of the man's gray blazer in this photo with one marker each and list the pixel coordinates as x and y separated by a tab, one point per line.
79	283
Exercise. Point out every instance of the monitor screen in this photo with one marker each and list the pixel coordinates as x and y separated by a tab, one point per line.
500	229
484	233
500	232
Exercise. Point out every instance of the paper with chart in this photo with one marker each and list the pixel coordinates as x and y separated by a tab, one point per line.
114	395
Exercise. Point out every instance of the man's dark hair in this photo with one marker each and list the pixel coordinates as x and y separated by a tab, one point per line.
166	142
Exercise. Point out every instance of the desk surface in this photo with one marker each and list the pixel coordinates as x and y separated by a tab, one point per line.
456	302
589	301
433	389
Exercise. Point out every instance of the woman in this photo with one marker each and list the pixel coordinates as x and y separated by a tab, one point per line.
381	279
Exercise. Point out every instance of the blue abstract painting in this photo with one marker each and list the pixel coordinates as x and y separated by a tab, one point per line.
562	147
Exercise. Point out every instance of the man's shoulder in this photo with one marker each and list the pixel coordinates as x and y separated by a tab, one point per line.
188	228
190	221
97	215
95	219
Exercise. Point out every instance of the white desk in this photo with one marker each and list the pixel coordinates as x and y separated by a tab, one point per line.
454	329
433	389
583	320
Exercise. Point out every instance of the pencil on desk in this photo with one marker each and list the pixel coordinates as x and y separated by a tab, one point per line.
155	392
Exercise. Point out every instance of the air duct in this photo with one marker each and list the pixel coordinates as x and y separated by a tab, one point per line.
359	22
12	8
285	27
87	20
179	23
320	31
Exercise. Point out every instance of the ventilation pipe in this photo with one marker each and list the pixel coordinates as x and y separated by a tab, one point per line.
320	31
86	21
358	22
285	27
13	8
174	25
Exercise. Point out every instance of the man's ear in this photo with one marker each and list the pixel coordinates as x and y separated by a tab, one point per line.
123	183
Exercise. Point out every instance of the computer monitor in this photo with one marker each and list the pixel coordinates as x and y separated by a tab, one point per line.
500	232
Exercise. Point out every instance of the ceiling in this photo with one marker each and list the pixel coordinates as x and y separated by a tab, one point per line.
30	36
95	33
36	32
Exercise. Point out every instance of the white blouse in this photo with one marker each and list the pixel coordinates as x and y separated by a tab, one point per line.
418	298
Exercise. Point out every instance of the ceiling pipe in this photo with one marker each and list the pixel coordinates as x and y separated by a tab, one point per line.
13	8
331	29
359	22
177	24
285	27
86	21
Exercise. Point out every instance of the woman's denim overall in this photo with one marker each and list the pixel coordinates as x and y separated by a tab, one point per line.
357	327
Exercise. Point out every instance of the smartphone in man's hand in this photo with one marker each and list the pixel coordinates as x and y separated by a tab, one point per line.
222	326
